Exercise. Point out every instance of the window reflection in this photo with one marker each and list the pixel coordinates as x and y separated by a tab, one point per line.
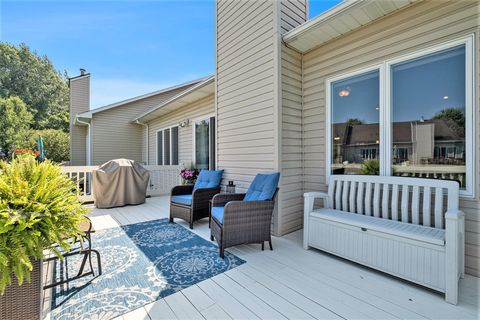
202	144
428	105
355	124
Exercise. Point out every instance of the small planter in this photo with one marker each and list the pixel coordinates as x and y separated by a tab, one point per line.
25	301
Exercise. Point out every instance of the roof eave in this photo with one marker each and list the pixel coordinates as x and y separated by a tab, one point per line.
144	116
321	29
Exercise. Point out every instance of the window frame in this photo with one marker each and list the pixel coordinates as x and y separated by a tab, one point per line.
385	116
194	149
163	145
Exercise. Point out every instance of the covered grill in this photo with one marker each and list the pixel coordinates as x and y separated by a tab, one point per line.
120	182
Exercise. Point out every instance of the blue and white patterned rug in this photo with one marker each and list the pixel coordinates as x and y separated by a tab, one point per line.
141	263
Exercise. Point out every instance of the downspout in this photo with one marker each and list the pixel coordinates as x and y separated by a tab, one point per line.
89	146
147	140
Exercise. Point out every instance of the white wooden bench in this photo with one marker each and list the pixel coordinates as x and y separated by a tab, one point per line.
394	224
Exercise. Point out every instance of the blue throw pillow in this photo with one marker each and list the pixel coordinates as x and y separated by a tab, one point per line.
208	179
263	187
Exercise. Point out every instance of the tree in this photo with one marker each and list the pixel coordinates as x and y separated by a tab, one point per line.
33	78
454	114
55	142
15	121
354	121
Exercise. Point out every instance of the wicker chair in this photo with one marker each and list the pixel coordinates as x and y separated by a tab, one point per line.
242	220
191	203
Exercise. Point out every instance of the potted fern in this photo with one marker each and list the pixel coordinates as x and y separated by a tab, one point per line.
38	208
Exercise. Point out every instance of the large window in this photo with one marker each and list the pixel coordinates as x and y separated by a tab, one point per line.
408	117
204	143
167	146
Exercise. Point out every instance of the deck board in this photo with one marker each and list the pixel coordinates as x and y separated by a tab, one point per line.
290	282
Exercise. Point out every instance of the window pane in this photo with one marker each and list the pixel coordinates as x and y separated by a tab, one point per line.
175	146
166	147
160	148
202	144
428	101
355	125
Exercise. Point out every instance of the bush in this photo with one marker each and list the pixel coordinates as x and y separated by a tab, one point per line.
15	121
38	208
55	142
370	167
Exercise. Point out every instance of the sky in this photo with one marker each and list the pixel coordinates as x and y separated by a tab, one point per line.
129	47
421	88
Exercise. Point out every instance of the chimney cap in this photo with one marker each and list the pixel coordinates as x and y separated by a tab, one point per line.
82	71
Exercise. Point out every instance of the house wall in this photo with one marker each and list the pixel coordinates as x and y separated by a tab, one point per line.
419	26
198	109
291	188
114	136
292	14
248	88
79	102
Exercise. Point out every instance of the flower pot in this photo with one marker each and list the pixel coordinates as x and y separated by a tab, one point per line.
23	302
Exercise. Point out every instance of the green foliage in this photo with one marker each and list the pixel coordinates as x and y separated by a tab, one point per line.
15	121
38	208
354	121
454	114
370	167
33	78
55	142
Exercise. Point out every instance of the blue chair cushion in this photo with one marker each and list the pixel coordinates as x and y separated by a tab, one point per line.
217	213
263	187
208	179
185	199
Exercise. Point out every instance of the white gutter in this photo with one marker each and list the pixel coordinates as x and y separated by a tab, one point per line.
89	145
310	24
147	140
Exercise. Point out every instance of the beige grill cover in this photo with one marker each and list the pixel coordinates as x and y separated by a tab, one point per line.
120	182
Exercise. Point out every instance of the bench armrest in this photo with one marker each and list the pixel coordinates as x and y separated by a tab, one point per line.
309	200
454	214
311	196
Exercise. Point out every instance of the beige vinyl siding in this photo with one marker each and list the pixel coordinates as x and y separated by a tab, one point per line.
79	102
201	108
245	90
113	134
249	99
292	182
414	28
293	14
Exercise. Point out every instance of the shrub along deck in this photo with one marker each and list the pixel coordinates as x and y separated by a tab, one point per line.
290	282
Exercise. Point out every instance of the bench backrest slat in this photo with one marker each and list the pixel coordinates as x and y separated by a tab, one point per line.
385	201
360	198
395	202
376	200
338	194
346	185
427	211
352	196
398	198
415	205
405	203
438	208
368	199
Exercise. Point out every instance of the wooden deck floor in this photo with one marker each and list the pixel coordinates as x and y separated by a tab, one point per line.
292	283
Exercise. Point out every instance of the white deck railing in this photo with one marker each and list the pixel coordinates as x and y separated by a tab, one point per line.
162	180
